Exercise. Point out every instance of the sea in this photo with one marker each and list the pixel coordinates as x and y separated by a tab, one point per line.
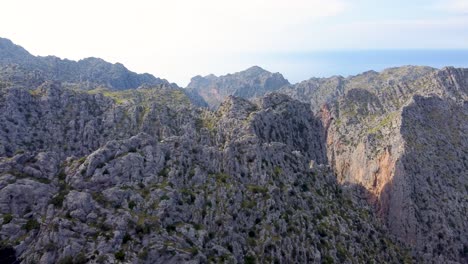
304	65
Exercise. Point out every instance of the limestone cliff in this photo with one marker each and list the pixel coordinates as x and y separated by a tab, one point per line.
108	176
368	168
409	152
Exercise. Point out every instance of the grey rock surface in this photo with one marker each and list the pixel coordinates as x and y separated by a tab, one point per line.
407	145
251	83
319	91
368	168
150	181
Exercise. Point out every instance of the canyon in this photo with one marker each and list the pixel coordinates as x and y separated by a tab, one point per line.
103	165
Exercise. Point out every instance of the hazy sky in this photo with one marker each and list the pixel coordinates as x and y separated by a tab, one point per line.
177	39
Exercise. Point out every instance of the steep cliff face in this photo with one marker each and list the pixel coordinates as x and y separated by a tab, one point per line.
408	152
89	173
251	83
142	176
434	172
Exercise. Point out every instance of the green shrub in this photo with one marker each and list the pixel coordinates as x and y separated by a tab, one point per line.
99	198
80	259
81	160
193	251
57	200
278	171
258	189
170	228
143	254
7	218
164	172
322	232
66	260
101	259
249	260
31	225
50	247
62	175
248	204
42	180
120	255
327	260
341	253
126	238
19	151
131	205
143	229
222	177
197	226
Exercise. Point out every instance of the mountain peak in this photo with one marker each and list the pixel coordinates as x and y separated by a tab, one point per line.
10	53
5	41
250	83
255	70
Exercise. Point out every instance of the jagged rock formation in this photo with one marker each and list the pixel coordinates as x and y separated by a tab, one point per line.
407	145
251	83
366	168
109	177
88	73
318	91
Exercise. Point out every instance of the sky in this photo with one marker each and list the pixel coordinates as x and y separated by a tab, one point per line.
179	39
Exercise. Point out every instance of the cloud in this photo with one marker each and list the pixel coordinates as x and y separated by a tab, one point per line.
178	39
400	34
164	26
453	6
220	26
167	38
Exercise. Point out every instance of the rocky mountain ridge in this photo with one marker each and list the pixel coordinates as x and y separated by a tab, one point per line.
88	73
368	168
407	146
319	91
174	184
250	83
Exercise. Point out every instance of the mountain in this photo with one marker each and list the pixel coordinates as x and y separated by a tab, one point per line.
250	83
366	168
109	175
385	132
318	91
89	72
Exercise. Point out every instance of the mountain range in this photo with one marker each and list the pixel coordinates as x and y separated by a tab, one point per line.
99	164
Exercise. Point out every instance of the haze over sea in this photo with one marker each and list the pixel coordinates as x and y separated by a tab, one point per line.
297	67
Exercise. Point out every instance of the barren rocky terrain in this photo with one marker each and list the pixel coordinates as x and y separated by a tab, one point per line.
102	165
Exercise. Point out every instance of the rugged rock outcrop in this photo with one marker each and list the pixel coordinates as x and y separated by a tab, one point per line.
369	167
121	176
319	91
75	122
407	145
251	83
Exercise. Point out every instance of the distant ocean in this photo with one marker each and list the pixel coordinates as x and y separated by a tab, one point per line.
301	66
